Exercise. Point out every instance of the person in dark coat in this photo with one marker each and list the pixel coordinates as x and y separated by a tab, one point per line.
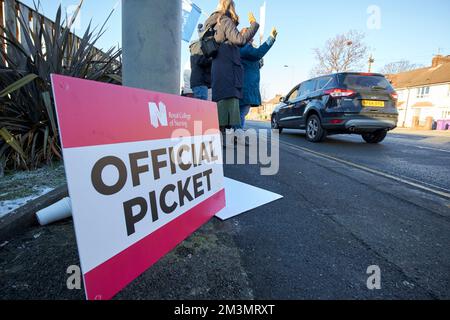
227	71
201	69
252	62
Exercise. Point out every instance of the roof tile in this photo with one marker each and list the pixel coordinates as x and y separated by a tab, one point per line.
422	77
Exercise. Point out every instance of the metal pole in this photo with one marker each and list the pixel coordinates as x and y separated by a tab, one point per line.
151	37
371	61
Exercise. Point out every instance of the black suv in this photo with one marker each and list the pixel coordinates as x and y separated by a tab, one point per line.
352	103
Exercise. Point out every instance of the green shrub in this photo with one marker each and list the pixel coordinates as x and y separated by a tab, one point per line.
28	128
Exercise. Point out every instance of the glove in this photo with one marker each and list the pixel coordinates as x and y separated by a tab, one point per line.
251	18
274	33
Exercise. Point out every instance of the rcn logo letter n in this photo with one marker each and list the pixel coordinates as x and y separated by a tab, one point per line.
158	115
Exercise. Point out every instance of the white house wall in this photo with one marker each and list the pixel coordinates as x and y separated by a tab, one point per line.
439	96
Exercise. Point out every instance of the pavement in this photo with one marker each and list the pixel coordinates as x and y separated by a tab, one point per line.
347	206
429	133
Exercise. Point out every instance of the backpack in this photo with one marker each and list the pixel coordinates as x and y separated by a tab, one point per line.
208	43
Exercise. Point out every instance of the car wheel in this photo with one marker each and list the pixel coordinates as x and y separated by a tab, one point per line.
275	125
314	130
375	137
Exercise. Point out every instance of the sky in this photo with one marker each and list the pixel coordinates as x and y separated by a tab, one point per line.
414	30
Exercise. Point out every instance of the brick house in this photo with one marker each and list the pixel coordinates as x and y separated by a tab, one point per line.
265	111
424	95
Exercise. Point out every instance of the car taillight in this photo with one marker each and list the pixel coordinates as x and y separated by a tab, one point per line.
339	93
394	95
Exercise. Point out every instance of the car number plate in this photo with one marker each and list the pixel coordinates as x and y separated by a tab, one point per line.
373	103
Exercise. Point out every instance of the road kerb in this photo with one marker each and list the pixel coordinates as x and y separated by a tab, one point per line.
25	217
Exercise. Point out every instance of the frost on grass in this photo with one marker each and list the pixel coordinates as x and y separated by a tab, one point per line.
16	189
8	206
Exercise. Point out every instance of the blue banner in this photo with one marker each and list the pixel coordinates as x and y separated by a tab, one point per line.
191	14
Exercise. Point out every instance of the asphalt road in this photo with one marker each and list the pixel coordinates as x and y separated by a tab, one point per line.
336	220
423	159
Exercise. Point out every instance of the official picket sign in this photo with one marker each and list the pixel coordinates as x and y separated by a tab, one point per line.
141	176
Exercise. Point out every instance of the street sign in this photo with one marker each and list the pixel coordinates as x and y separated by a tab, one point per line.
144	171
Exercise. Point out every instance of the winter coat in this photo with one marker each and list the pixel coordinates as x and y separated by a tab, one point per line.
251	58
200	66
227	72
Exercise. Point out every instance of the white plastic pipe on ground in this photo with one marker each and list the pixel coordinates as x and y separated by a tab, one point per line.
59	211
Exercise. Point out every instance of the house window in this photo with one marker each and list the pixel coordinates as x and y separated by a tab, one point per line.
423	92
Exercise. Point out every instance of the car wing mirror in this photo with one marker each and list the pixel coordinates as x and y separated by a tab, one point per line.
282	99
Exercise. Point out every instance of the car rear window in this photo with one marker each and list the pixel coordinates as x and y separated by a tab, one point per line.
326	83
354	81
307	87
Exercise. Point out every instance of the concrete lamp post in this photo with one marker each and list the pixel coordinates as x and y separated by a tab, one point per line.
151	40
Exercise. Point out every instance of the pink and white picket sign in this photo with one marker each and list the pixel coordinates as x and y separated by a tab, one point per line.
144	171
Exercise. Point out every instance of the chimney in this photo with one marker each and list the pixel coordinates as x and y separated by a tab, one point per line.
440	59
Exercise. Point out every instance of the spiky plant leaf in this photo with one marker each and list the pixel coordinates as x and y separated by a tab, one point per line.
10	140
18	84
26	104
